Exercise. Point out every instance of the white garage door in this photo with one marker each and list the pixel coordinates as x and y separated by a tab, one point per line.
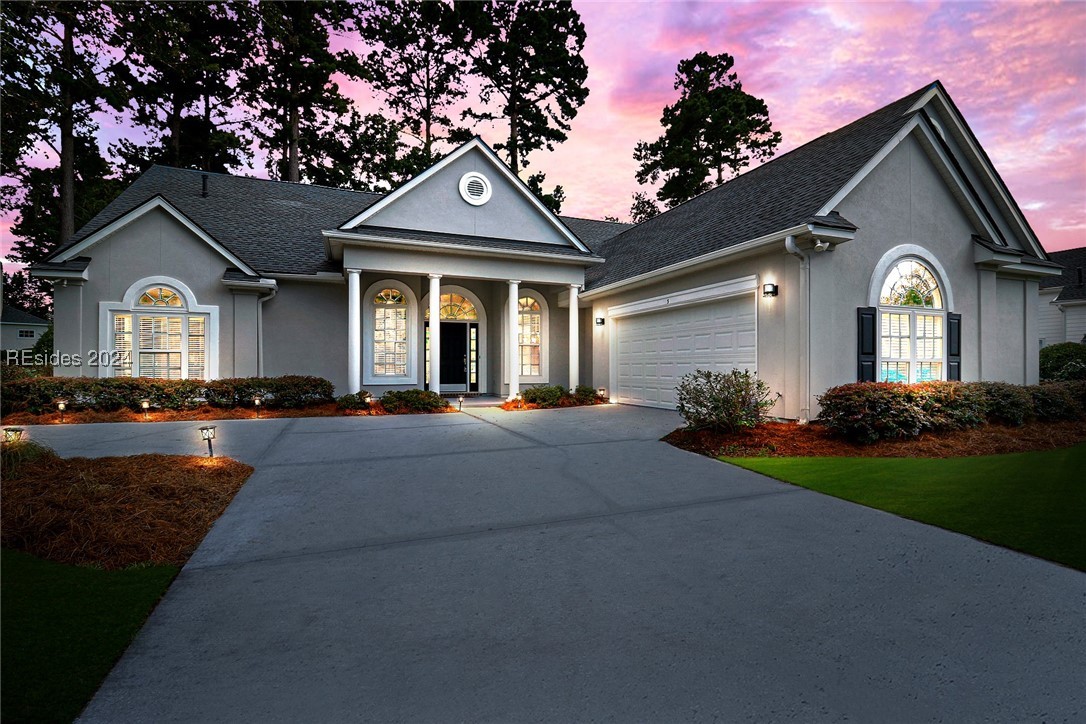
656	349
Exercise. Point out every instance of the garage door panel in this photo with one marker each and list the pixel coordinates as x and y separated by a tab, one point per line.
655	350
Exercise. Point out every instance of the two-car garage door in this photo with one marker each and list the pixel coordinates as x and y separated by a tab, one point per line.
655	349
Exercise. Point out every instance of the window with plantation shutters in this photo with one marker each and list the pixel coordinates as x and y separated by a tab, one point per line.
911	325
159	338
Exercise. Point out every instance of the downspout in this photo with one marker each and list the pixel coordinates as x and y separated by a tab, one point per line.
260	331
805	326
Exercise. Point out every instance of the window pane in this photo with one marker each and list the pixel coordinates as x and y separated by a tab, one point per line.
911	284
895	336
894	372
929	371
160	297
160	365
929	336
530	338
197	349
390	339
122	344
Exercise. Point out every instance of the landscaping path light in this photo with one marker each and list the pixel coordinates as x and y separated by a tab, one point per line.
207	432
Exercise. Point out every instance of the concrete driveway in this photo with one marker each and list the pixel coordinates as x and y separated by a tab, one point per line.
565	566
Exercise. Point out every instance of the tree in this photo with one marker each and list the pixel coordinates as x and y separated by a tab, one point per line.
528	57
643	208
288	81
181	65
417	63
552	200
21	291
359	152
56	61
713	131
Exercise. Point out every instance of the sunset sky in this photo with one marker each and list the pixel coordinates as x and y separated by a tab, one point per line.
1015	70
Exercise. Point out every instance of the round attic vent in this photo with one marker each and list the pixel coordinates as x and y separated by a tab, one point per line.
475	188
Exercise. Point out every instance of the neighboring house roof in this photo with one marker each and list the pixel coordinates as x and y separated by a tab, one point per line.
1073	262
272	226
14	315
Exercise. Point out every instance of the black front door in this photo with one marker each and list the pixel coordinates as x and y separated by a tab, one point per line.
454	354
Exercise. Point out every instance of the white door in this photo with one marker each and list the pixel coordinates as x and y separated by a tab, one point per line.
656	349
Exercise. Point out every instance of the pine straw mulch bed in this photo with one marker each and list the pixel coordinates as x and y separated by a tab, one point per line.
203	413
114	512
789	439
517	405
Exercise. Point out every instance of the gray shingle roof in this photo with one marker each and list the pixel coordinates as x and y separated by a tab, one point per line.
1073	262
474	242
780	194
14	315
273	226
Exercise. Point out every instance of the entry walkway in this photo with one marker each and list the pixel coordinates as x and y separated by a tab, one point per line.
566	566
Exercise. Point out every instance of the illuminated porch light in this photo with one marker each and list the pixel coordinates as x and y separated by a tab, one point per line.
600	321
769	290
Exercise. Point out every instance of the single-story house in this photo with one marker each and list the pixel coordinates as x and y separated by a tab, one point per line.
1063	300
20	329
889	249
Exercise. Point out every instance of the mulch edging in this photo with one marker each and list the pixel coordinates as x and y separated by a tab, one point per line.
790	439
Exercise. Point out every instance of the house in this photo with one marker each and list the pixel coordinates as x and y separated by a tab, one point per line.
888	249
20	329
1062	315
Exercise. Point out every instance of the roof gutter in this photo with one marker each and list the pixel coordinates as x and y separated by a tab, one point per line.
682	266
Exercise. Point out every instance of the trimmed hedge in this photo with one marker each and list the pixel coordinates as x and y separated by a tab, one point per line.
546	396
399	402
867	412
107	394
354	401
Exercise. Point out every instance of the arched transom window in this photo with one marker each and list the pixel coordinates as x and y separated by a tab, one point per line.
455	307
912	320
160	338
390	340
531	337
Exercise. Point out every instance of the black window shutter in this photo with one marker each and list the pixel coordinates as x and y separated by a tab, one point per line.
954	347
866	343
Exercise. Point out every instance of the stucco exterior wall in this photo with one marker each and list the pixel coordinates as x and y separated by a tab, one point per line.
436	205
155	244
305	331
779	339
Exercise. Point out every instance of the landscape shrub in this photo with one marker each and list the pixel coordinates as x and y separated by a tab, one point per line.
354	401
723	401
585	395
107	394
951	405
1005	403
867	412
1064	361
408	401
1054	401
545	395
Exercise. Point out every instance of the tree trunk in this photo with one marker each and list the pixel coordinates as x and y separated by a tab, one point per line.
67	132
174	122
514	160
293	171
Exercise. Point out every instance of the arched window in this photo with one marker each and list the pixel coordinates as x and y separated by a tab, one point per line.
530	342
159	331
912	320
456	307
390	333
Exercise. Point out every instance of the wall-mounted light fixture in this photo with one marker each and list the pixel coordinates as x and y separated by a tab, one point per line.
13	434
62	405
145	405
257	402
599	321
769	290
207	432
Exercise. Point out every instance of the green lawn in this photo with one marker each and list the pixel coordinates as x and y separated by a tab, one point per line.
1031	502
63	628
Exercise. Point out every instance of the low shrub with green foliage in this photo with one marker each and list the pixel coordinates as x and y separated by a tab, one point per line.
545	395
867	412
107	394
1063	362
408	401
585	395
723	401
354	401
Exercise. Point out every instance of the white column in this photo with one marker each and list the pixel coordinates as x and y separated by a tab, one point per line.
354	331
574	337
435	333
513	343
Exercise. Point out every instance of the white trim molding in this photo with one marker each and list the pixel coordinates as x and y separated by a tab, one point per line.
414	334
697	295
155	203
127	305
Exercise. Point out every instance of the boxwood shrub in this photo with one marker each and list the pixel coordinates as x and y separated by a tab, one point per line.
107	394
407	401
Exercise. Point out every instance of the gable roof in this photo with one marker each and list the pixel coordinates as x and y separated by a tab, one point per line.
14	315
780	194
271	226
1072	261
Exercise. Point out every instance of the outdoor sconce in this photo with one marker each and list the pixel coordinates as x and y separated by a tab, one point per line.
769	290
599	321
256	403
13	434
461	400
145	404
207	432
62	405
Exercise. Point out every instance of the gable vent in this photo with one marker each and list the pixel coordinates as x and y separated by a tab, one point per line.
475	188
